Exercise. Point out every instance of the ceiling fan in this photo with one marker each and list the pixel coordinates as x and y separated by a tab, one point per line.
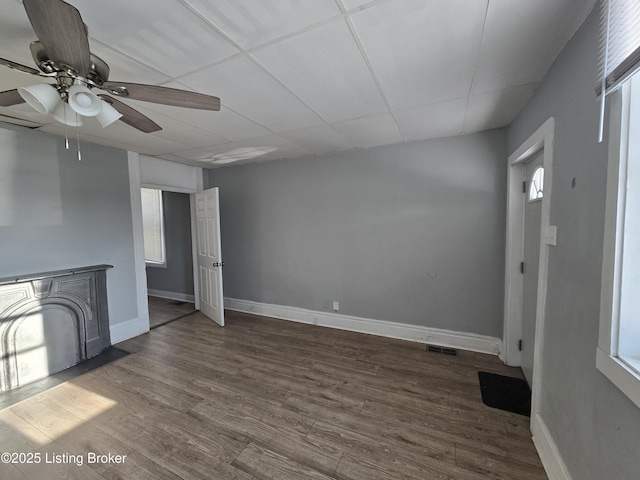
62	54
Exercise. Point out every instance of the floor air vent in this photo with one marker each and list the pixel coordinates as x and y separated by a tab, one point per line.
442	350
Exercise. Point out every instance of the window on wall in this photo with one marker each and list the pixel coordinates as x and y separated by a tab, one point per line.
536	185
153	226
618	354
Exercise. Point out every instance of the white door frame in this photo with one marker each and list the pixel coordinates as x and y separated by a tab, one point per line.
541	140
135	184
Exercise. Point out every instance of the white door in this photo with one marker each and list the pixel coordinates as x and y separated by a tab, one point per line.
209	255
532	222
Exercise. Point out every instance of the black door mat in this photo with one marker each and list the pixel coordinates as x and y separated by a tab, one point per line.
505	393
34	388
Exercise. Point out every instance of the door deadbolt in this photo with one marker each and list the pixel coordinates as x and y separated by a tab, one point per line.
218	264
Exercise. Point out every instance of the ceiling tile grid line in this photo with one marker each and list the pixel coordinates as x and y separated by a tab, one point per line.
204	18
285	86
273	41
358	41
475	70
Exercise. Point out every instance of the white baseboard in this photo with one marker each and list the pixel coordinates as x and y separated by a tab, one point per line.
125	330
181	297
548	450
402	331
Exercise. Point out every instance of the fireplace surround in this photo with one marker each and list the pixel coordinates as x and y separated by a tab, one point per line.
51	321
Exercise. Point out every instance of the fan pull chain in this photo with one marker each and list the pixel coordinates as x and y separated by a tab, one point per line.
66	129
78	140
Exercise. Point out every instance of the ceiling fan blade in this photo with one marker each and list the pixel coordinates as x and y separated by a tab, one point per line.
131	116
163	95
9	98
19	67
62	32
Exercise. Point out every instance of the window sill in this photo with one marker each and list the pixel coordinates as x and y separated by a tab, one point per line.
622	376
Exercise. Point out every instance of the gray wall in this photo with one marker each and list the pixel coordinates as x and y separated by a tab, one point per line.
410	233
177	277
57	212
594	425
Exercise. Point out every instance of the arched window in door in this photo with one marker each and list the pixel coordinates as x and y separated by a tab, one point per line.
536	185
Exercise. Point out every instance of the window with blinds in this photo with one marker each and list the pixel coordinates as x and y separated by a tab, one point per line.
153	226
619	42
619	48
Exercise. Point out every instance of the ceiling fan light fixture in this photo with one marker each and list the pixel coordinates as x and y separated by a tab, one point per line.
107	114
42	97
83	101
66	115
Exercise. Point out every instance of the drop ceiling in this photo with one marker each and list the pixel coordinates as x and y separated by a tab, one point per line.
308	77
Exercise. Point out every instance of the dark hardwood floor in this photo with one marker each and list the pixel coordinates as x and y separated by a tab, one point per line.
270	399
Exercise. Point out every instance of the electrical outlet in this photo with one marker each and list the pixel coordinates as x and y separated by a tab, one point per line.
336	306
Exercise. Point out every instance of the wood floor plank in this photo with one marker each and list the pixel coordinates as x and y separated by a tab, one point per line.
138	467
49	468
48	417
497	467
184	460
18	435
277	438
265	464
10	472
422	442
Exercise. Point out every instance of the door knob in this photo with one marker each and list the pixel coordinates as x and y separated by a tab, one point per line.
218	264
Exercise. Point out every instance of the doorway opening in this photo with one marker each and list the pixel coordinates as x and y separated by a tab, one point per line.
166	219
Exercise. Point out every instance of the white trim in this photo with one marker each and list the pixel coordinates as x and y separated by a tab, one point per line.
125	330
182	297
548	450
166	188
402	331
621	375
198	182
138	242
607	361
194	251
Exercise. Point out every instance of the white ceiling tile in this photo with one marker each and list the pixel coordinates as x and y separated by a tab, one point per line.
177	131
422	51
274	145
253	22
439	119
496	109
16	33
249	90
370	131
225	123
516	52
318	140
125	69
325	68
163	34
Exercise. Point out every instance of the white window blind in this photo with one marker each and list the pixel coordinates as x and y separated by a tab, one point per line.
619	48
619	41
153	225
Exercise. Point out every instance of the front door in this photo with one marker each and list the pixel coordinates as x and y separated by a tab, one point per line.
209	255
532	222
